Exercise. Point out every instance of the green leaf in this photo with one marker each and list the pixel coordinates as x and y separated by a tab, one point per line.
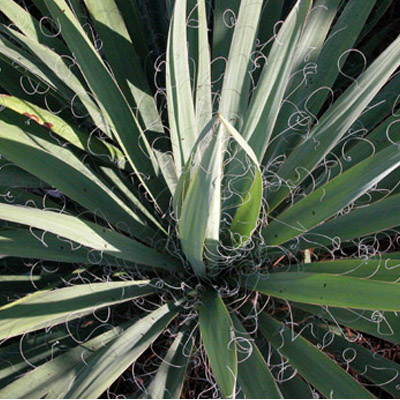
31	27
68	132
11	176
169	5
334	382
291	384
125	126
25	197
387	256
331	197
334	124
13	284
52	69
379	12
61	168
201	208
335	51
316	28
246	216
309	47
168	382
28	65
236	83
384	325
221	349
80	12
134	22
88	234
11	78
328	290
270	16
22	243
224	20
52	379
17	358
161	13
381	137
370	365
47	247
254	376
382	105
44	308
130	75
123	185
373	218
168	169
377	270
360	146
109	363
265	105
203	103
247	188
181	112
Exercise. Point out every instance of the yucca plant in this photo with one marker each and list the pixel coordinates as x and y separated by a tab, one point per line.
198	199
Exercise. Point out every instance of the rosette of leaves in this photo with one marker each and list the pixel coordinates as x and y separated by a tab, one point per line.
198	198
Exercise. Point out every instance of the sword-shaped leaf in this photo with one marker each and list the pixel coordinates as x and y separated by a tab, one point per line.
326	289
254	376
331	197
221	348
88	234
377	270
236	84
381	324
168	382
334	382
265	105
52	379
369	364
44	308
69	132
114	106
31	27
370	219
203	102
129	75
245	180
181	112
109	363
200	214
333	124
